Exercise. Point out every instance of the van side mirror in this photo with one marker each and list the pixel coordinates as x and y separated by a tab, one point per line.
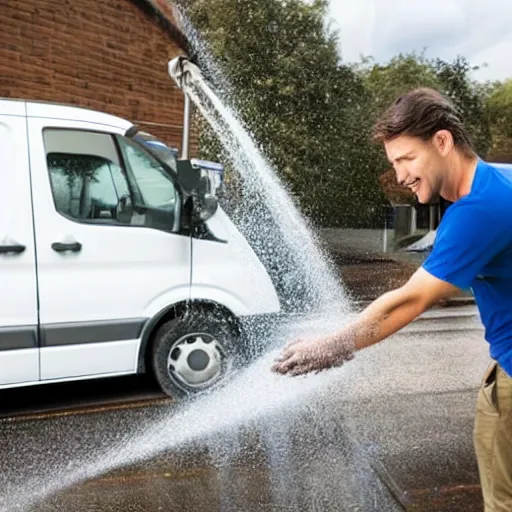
197	210
200	184
195	174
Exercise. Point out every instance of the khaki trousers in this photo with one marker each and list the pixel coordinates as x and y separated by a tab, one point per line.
492	438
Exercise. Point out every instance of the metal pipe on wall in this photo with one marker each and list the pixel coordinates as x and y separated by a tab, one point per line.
185	143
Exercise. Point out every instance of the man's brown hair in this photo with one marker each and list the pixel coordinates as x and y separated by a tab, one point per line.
421	113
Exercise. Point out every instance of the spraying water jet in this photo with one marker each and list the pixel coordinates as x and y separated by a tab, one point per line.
266	213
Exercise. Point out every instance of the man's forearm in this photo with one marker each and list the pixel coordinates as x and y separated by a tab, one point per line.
382	318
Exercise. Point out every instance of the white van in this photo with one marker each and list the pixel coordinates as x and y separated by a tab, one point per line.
114	259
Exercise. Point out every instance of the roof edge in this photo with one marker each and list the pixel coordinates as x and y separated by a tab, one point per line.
162	10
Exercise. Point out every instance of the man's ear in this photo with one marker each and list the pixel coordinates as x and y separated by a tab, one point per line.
443	142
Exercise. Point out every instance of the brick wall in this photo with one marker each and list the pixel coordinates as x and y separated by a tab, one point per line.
110	56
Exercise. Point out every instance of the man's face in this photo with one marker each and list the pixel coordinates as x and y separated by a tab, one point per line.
419	165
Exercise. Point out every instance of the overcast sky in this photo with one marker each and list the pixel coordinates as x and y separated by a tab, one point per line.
480	30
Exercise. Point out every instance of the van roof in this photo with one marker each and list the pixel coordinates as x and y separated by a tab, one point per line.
55	110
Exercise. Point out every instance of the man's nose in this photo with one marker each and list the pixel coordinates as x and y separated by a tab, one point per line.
401	176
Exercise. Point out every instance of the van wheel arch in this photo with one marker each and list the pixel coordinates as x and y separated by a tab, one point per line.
170	313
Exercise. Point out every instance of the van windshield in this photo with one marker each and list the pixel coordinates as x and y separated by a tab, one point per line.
158	149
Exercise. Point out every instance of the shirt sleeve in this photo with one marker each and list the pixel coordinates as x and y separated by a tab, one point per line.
468	238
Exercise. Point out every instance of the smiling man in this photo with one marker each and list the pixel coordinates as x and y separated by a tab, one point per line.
432	154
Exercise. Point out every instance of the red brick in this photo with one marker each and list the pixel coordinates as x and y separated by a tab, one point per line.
110	56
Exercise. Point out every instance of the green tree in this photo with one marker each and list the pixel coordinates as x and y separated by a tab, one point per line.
469	97
308	112
408	71
402	73
499	104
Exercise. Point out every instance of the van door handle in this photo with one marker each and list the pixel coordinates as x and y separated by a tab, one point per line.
70	246
12	248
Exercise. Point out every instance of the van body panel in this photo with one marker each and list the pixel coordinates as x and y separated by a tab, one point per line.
19	366
12	108
213	294
74	115
233	269
90	359
19	359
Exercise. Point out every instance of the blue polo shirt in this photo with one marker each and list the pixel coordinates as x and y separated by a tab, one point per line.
473	250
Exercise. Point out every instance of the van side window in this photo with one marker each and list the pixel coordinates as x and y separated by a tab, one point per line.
86	187
157	195
93	182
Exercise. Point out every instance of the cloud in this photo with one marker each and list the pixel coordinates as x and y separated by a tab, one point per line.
499	66
480	31
432	24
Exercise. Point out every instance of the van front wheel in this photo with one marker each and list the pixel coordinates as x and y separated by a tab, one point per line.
194	352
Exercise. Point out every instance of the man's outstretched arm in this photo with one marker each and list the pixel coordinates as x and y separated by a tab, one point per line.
382	318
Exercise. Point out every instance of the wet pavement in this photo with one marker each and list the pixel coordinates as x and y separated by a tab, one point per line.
391	432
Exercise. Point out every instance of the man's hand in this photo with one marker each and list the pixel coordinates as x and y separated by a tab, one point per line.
312	356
